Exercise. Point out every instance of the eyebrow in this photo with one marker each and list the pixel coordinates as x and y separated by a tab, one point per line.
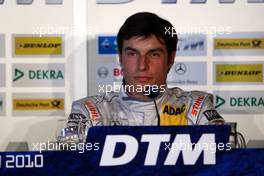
130	49
156	50
151	50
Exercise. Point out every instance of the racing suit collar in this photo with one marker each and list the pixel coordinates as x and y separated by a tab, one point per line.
124	96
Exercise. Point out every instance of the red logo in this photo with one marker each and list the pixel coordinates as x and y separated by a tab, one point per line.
117	72
197	105
92	110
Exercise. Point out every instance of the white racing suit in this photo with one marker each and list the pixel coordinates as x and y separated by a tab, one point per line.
175	107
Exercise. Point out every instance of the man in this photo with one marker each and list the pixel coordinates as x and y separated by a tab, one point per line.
146	54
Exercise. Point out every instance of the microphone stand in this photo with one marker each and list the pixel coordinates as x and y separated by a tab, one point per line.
157	111
152	95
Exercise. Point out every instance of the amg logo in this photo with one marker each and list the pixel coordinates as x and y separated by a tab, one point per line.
39	45
238	73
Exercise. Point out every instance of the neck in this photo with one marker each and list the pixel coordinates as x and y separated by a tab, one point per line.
138	96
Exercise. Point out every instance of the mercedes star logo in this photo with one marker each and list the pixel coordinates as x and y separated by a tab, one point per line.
180	68
102	72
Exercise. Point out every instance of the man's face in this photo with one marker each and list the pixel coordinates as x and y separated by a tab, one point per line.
145	61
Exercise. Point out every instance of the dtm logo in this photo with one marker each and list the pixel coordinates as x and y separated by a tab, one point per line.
52	2
190	156
204	1
29	2
112	1
191	44
171	1
24	1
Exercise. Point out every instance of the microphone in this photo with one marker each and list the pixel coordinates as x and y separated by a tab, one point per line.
75	129
150	93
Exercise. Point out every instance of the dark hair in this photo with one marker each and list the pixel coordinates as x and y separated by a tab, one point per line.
146	24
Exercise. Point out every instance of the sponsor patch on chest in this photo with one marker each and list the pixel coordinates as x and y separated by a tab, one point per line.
173	115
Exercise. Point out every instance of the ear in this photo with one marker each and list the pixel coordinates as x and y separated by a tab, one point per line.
120	59
171	59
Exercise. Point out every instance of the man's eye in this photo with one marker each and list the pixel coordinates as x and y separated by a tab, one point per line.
131	54
155	55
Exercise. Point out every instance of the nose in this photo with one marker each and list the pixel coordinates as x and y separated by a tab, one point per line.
142	63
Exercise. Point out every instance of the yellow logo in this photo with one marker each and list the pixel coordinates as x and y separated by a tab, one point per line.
38	46
38	104
239	43
172	115
239	73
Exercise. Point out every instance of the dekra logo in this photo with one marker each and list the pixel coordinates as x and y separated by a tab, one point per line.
219	101
246	101
18	74
45	74
39	74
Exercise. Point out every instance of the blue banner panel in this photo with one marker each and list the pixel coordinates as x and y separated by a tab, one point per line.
233	162
90	162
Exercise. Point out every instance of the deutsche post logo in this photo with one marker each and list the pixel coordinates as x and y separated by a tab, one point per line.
239	43
38	104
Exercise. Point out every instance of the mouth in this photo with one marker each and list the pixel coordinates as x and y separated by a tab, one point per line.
142	79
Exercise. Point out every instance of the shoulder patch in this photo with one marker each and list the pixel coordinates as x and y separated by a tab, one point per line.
198	102
77	116
175	91
212	115
94	115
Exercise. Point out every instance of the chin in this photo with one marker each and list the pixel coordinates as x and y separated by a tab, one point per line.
144	83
